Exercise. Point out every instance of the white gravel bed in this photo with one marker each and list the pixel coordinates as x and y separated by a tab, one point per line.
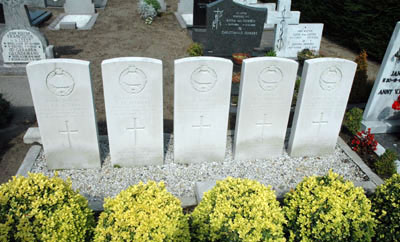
281	173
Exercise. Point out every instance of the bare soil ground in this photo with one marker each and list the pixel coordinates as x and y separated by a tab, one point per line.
120	32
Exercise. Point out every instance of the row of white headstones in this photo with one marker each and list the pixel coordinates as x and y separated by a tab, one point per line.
63	100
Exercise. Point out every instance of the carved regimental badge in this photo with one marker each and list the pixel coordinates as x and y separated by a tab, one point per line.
330	78
270	77
203	79
133	80
60	82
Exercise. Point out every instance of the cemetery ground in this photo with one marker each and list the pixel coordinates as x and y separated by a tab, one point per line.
118	32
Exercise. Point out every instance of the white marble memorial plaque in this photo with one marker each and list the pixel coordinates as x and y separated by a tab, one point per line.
134	107
322	100
266	93
63	100
382	113
21	46
201	108
303	36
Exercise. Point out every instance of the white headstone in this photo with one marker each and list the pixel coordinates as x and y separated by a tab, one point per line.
266	93
201	108
79	7
63	100
303	36
134	106
380	114
282	18
22	46
322	100
185	11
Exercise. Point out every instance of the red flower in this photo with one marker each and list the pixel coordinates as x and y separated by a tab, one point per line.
396	104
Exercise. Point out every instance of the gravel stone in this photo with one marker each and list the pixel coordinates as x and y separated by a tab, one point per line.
283	172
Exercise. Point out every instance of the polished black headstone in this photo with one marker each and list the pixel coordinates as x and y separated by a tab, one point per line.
200	13
2	19
233	28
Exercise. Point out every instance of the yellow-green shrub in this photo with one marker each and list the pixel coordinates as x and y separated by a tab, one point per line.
328	208
238	210
144	212
386	205
38	208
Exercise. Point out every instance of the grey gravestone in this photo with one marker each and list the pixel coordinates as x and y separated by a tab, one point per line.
232	27
15	12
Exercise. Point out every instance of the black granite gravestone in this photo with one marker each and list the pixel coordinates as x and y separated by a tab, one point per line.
2	19
233	27
199	13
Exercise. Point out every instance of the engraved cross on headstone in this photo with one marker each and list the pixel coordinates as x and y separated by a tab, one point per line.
201	126
282	18
134	129
320	122
16	12
68	132
263	124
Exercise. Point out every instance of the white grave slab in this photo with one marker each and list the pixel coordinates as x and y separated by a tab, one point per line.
303	36
22	46
323	95
80	20
201	108
63	100
134	106
79	7
266	93
379	115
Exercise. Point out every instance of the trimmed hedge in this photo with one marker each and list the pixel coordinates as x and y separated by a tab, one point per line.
357	24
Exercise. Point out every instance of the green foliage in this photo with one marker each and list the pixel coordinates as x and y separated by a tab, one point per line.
195	49
238	210
39	208
147	12
270	53
345	21
5	112
306	54
145	212
352	120
386	205
154	3
327	208
361	88
385	166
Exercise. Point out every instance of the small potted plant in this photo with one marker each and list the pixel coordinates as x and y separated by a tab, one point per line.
239	57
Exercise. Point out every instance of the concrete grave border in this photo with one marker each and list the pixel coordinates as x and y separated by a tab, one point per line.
88	26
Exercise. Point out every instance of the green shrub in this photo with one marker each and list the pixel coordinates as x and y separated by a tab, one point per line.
352	120
385	166
306	54
328	209
39	208
144	212
154	3
386	205
270	53
195	49
5	112
360	89
238	210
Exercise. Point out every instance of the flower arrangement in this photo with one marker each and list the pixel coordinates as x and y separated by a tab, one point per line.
364	142
144	212
239	57
38	208
327	208
396	104
238	210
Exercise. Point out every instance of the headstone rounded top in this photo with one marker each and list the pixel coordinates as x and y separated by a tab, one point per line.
131	59
60	82
133	80
58	62
202	58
